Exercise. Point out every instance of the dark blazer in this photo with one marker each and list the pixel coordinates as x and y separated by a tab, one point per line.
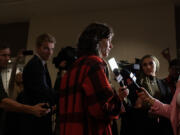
37	89
37	83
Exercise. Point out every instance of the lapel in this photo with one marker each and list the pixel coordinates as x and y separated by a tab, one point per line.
161	87
48	79
165	91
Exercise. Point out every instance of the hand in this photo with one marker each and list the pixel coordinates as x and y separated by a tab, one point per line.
63	63
139	103
144	96
54	108
39	110
123	92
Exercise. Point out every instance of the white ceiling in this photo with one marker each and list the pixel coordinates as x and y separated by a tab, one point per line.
23	9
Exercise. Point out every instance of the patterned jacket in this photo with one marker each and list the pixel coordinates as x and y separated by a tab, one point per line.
87	102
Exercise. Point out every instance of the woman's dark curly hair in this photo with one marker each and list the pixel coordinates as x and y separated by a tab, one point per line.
90	37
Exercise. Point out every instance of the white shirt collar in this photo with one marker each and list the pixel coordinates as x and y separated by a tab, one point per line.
43	61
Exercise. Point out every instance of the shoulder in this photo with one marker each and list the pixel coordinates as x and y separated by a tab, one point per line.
89	60
94	60
33	61
89	64
33	64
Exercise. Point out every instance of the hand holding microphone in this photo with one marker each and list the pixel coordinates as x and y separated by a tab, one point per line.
126	80
124	76
144	97
123	92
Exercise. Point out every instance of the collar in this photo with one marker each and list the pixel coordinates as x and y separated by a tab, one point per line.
43	61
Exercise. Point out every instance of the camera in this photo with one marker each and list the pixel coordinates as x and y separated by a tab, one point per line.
131	67
68	54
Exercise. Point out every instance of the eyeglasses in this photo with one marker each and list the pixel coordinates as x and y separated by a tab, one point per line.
5	55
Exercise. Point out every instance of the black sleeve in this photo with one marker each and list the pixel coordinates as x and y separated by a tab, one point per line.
3	94
166	92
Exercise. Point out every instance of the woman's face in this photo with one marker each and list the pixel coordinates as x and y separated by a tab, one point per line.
149	67
105	46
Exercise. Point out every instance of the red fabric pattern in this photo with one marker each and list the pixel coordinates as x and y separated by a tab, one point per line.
87	101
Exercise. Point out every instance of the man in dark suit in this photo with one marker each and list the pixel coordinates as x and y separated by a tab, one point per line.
7	103
37	86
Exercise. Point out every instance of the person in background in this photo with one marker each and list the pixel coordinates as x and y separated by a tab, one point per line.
38	87
63	62
171	111
18	85
12	119
9	104
174	72
137	120
88	103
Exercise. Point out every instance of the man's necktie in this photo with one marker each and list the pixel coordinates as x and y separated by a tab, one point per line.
48	79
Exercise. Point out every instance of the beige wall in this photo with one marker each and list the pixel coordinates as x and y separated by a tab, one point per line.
139	30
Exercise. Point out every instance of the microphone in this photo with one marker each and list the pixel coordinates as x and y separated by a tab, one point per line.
123	77
130	80
114	67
